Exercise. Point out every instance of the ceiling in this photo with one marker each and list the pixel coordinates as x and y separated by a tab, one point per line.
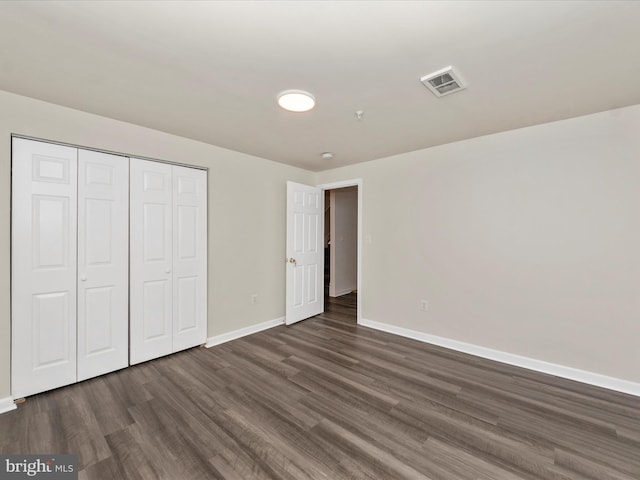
211	71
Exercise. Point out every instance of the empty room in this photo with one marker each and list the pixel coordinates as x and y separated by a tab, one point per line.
320	240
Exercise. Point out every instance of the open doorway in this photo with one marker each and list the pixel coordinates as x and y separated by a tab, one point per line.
305	292
341	243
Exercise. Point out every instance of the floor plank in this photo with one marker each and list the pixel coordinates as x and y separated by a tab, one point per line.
328	399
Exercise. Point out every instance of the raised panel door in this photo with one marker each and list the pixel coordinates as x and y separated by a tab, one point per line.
43	275
189	257
103	263
151	264
305	255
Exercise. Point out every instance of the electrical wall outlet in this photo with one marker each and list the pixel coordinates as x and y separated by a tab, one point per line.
254	298
424	305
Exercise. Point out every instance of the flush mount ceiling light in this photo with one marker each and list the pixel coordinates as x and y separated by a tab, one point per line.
296	100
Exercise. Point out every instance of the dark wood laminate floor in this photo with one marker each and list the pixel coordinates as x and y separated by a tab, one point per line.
326	399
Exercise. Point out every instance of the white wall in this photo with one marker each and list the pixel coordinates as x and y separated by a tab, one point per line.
526	242
247	198
344	241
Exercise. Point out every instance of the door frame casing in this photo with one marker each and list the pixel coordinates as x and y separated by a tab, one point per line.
356	182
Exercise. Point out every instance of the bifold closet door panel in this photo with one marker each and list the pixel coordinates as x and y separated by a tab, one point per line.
189	257
151	252
103	263
43	273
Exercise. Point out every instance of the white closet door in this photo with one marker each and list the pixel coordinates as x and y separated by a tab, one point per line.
43	274
189	257
151	253
103	263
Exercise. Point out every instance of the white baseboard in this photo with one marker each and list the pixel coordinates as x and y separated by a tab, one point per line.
570	373
342	292
242	332
6	404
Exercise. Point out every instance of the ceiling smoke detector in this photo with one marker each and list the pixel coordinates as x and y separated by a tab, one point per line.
443	82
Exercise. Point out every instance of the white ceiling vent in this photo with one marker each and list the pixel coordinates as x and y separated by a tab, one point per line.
443	82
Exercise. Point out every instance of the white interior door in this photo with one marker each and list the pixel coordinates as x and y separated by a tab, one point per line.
103	263
305	252
151	289
43	273
189	257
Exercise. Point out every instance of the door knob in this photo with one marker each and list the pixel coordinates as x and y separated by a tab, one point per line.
167	270
292	260
83	278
